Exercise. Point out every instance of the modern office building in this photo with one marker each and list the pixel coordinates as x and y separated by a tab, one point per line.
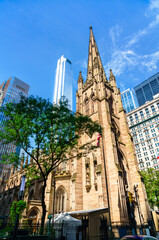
147	89
144	126
129	100
63	81
10	91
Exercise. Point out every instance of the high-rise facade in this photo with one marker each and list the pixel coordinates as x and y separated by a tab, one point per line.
63	81
10	91
147	89
144	127
129	100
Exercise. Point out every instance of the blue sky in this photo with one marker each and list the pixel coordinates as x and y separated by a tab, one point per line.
35	33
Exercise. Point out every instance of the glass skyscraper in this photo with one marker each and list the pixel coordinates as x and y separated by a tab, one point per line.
63	81
147	89
129	100
10	91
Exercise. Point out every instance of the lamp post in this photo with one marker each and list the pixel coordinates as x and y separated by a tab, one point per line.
54	185
137	201
22	186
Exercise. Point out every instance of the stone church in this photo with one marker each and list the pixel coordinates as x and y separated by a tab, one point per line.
103	188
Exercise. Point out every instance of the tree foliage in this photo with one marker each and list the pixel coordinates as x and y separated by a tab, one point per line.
48	133
17	208
151	181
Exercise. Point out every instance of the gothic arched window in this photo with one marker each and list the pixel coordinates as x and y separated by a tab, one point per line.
60	200
87	106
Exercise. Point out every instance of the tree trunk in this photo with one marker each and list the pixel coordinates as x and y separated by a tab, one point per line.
43	208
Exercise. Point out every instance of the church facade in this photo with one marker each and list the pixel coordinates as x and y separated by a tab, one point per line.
104	187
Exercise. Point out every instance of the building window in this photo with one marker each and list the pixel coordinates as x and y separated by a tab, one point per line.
147	137
155	161
87	106
147	111
150	146
131	119
154	134
141	114
148	164
158	105
87	174
136	117
153	108
152	130
95	173
145	153
60	200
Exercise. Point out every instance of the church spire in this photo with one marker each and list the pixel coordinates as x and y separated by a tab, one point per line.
80	78
94	61
112	79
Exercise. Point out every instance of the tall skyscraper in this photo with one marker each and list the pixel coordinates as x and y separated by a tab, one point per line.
147	89
129	100
10	91
144	127
63	80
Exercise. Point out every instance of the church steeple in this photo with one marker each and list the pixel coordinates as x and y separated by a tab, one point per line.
112	79
95	66
80	78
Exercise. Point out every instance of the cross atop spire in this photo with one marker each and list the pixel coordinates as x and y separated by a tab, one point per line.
94	61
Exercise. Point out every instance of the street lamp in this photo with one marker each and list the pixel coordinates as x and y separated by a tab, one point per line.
54	185
137	201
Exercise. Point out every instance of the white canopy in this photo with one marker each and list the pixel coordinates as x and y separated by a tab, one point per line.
66	219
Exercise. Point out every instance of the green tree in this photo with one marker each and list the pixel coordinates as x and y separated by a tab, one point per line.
48	133
17	208
151	181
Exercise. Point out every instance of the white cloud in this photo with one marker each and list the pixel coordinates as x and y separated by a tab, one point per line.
114	33
126	57
154	4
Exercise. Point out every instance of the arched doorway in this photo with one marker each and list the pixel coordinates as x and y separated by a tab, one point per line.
33	218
